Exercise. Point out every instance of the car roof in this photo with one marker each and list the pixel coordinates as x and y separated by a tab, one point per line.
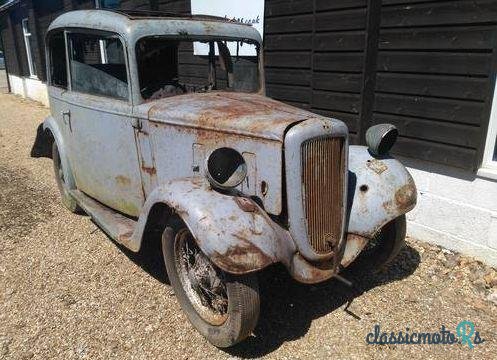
133	25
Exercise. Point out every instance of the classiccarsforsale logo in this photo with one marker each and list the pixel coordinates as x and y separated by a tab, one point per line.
465	330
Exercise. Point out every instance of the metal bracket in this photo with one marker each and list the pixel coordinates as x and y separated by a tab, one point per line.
137	124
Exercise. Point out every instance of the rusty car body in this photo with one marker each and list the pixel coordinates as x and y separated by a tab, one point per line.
132	156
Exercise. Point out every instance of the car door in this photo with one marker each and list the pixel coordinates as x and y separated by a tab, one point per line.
103	149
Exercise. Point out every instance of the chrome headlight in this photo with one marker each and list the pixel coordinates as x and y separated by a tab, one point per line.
225	168
380	138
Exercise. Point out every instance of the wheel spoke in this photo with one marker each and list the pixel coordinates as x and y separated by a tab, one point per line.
203	283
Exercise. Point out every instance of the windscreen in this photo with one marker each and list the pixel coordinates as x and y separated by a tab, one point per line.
169	67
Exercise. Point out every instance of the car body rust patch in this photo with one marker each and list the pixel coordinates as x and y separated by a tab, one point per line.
377	166
242	257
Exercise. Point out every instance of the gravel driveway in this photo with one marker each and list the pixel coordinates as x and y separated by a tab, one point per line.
68	292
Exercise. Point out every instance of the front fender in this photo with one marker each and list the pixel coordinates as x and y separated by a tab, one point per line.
50	124
380	190
235	233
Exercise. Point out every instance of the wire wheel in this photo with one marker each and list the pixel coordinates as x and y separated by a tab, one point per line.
204	285
223	307
59	170
387	243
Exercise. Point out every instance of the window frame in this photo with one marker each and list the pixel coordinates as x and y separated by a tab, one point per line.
49	59
259	47
84	31
27	45
489	166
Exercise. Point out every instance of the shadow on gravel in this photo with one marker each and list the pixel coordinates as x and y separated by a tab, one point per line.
150	256
288	307
42	147
22	202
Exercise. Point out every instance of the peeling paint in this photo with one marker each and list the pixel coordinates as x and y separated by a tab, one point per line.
377	166
122	180
355	244
406	196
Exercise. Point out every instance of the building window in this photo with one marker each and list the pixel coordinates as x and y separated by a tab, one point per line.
98	66
27	41
489	166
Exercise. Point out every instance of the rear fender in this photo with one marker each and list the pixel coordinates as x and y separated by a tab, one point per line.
51	125
234	232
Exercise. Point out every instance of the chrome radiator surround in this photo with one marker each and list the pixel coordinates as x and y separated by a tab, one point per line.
307	130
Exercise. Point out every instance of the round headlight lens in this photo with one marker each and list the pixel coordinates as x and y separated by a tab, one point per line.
380	138
226	168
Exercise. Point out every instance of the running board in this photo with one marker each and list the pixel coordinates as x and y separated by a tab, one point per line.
117	226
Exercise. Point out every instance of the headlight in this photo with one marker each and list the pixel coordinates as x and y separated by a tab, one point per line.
226	168
380	138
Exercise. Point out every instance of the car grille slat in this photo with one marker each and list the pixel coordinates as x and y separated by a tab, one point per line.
323	191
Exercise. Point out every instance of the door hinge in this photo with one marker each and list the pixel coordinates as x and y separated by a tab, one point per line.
137	124
66	118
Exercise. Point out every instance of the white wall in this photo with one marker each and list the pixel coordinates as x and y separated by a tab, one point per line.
455	209
29	88
17	85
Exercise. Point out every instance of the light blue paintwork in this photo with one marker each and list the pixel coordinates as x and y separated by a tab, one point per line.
131	155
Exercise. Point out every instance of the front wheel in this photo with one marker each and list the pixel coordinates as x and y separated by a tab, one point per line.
384	247
224	308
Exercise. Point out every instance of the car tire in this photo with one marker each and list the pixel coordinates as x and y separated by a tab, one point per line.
222	321
64	188
384	247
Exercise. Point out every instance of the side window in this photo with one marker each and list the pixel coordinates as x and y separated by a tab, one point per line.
57	51
98	65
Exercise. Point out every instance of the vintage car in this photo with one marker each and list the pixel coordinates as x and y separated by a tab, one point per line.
160	125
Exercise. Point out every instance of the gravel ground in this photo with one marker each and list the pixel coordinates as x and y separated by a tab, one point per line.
68	292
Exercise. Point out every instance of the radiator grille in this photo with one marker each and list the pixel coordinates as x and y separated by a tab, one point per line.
323	191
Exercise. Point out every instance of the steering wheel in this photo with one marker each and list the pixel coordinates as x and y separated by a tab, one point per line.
173	82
